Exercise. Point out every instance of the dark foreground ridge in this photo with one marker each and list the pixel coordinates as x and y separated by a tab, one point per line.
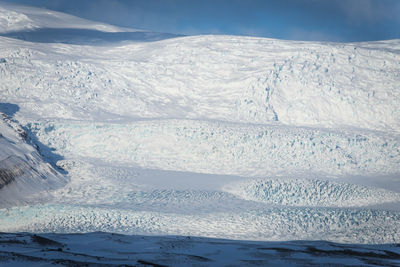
107	249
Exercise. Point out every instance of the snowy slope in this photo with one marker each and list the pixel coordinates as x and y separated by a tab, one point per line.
217	136
23	173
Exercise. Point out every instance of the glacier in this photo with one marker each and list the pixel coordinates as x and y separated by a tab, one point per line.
126	131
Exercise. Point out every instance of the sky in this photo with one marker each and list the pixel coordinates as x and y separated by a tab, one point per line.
316	20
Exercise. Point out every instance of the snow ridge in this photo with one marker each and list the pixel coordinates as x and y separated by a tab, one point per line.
222	148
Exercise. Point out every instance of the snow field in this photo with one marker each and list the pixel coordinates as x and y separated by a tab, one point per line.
217	136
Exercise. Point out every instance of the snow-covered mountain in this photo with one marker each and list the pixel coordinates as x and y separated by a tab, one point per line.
216	136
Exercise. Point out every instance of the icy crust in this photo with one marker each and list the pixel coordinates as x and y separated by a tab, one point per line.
237	79
223	148
304	192
338	225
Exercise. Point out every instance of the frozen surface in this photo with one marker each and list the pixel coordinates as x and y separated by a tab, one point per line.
126	131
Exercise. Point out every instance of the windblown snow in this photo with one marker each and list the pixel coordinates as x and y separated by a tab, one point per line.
214	136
